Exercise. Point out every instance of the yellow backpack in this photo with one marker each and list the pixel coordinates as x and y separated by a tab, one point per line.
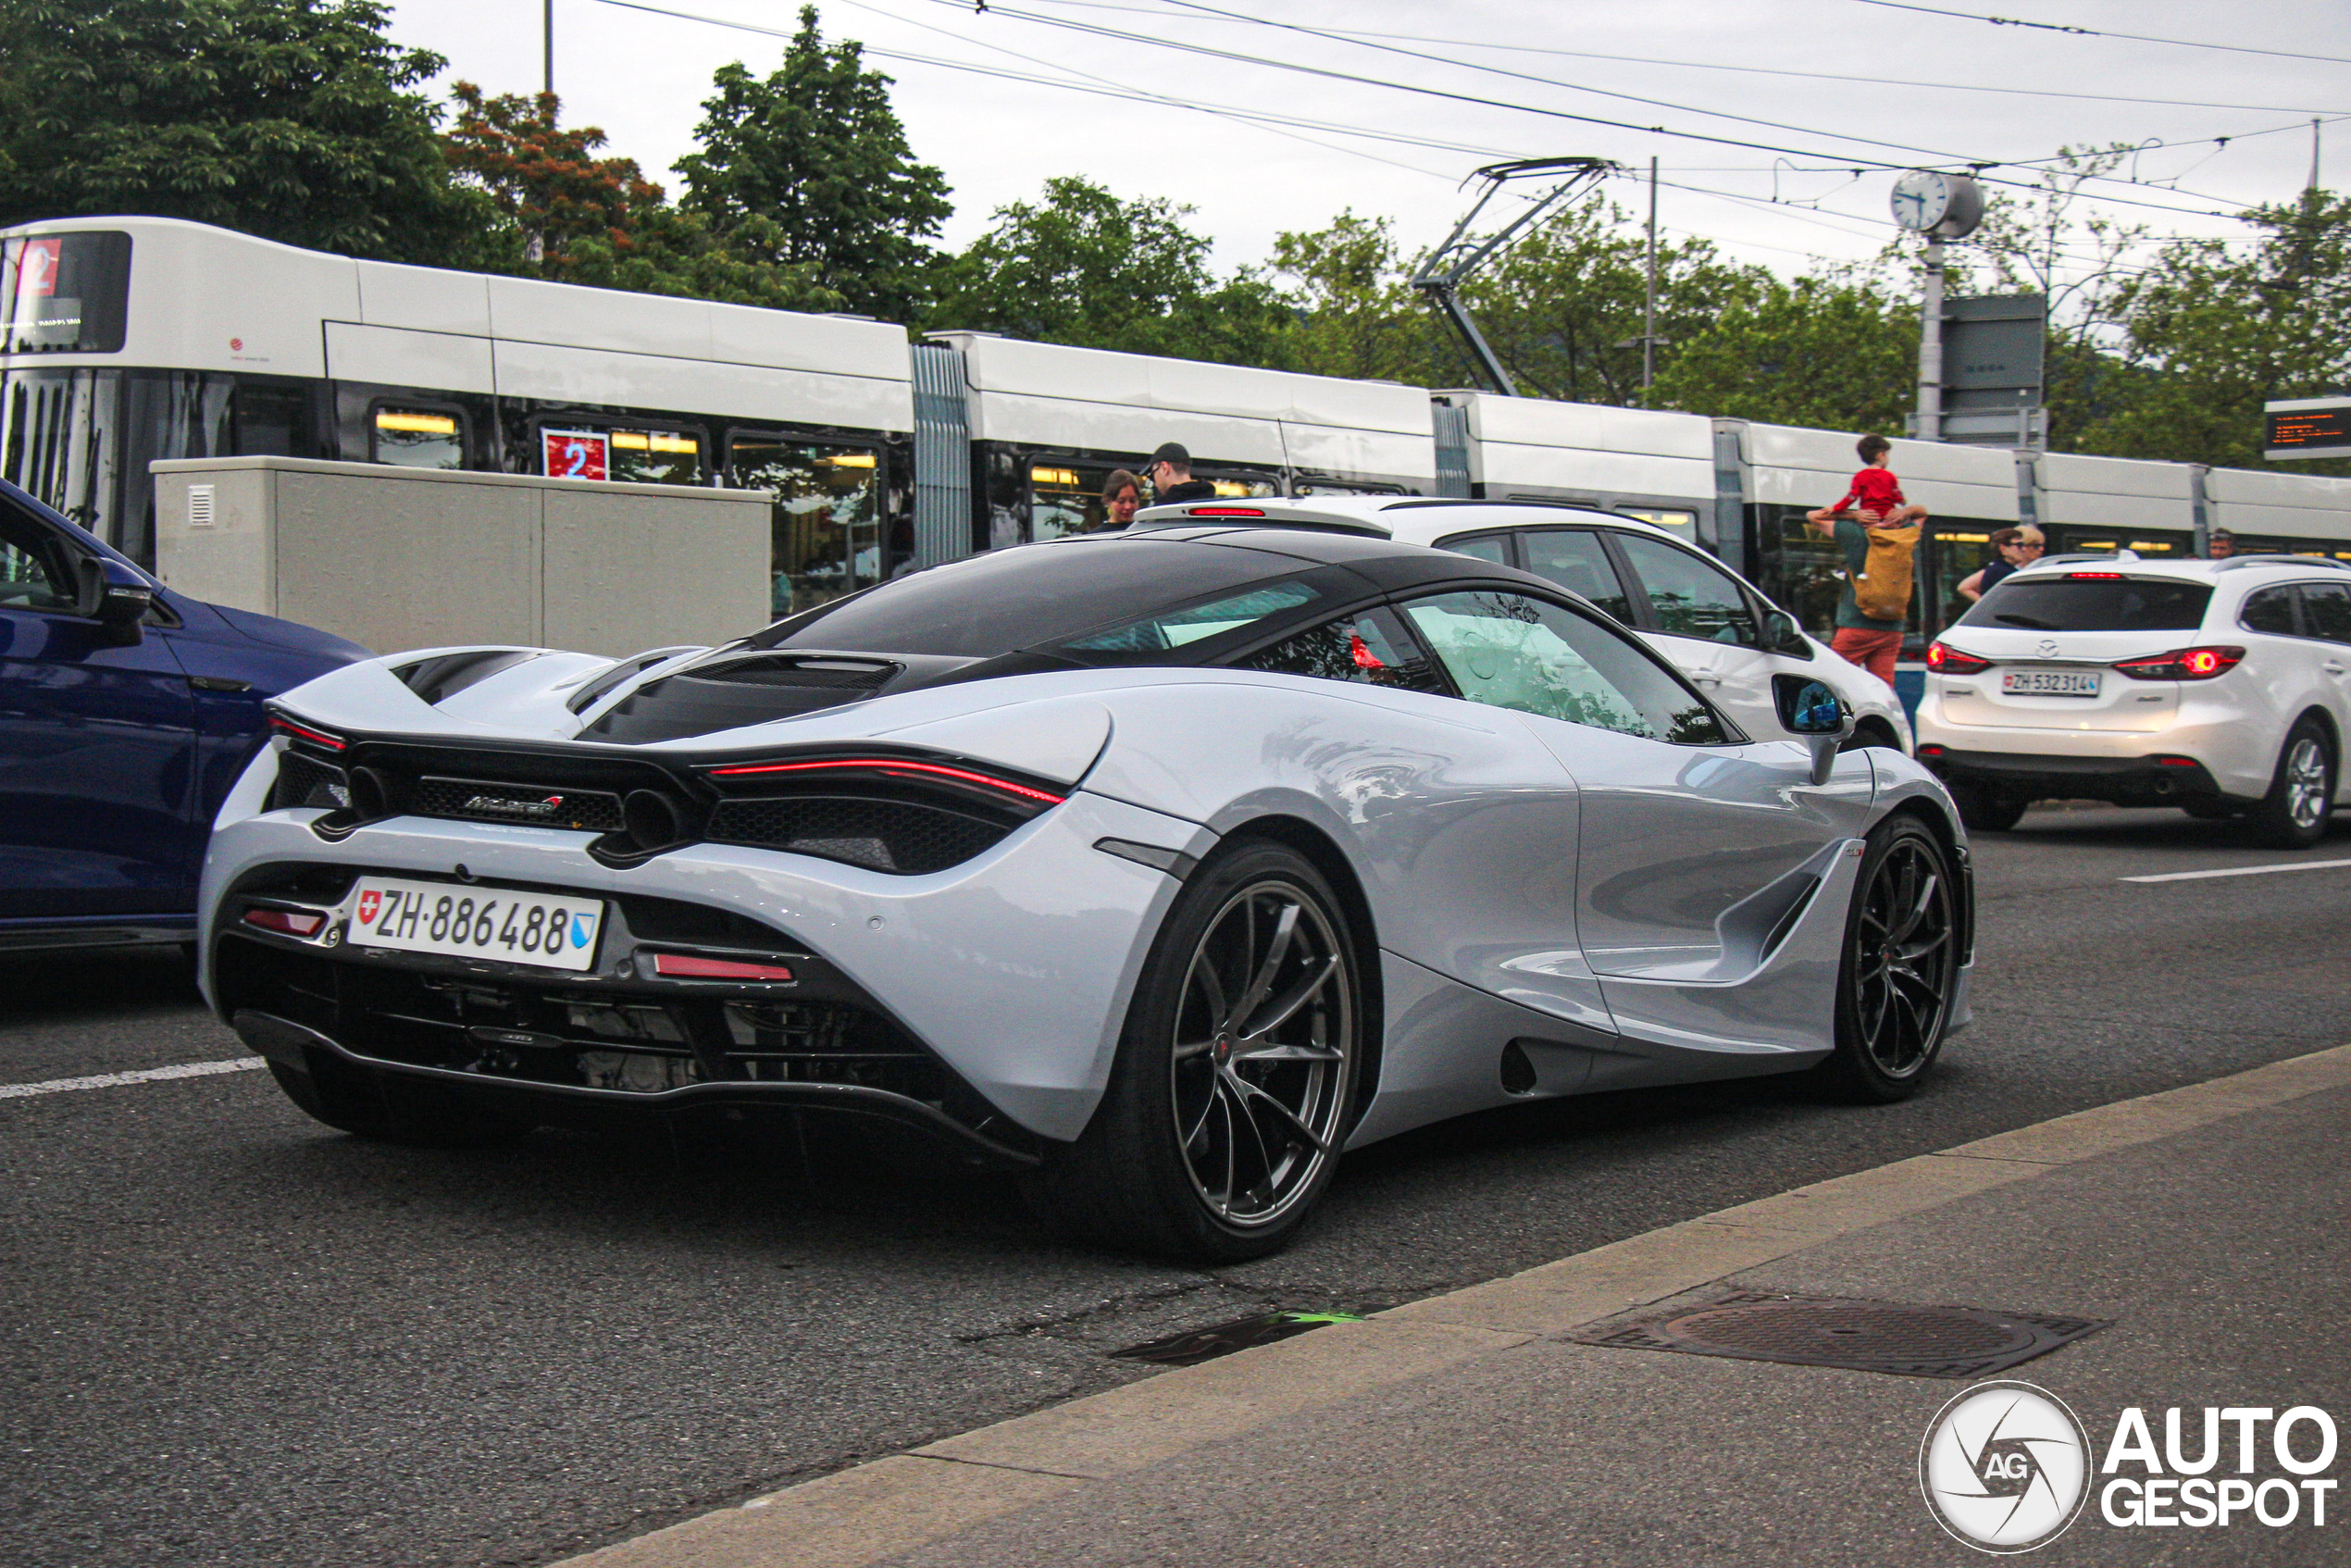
1883	590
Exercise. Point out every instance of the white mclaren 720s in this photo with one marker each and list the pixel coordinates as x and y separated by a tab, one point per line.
1162	866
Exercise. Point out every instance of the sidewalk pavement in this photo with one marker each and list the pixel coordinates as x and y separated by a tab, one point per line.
2212	1224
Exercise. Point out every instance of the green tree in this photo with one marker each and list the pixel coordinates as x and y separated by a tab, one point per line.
575	217
293	119
1352	315
1087	268
2211	334
810	168
1564	308
1831	350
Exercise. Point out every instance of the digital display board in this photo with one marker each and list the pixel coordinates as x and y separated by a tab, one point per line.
2307	427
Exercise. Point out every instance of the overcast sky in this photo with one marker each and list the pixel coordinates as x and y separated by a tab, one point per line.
641	77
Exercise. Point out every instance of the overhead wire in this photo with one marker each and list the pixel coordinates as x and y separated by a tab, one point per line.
1196	5
2101	32
1748	70
1325	72
1261	118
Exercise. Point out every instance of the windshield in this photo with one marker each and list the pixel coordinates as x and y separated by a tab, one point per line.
2084	604
1034	597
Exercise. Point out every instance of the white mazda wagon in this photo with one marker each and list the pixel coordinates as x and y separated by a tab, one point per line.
1709	623
2219	687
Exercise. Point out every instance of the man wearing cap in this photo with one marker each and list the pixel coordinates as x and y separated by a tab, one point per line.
1171	476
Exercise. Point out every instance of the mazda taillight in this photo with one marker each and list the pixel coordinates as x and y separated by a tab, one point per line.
1944	659
2181	664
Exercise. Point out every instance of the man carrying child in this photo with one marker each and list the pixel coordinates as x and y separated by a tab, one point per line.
1878	551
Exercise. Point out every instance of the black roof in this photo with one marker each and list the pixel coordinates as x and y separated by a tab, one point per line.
1035	595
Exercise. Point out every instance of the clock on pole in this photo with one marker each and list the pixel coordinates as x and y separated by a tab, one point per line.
1943	207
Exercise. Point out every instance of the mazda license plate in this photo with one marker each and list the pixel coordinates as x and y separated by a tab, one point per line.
515	928
2051	682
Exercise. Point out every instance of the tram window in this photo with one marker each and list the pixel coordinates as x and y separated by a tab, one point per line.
418	438
1065	498
1679	521
64	293
828	534
269	422
657	457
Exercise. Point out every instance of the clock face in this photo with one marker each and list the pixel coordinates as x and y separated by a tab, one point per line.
1921	199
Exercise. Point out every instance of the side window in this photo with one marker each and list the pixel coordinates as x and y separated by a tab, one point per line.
1577	561
2326	608
1519	652
2270	610
36	568
1370	649
416	437
1135	641
1691	595
1491	547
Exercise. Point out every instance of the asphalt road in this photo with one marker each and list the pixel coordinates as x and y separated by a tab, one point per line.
235	1338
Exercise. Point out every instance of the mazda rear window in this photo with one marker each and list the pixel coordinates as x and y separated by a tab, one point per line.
1034	596
2086	603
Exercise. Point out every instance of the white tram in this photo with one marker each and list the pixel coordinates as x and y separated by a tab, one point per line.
124	340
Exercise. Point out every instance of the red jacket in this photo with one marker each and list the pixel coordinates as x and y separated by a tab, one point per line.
1876	489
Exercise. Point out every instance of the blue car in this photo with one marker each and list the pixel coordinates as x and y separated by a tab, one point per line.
126	713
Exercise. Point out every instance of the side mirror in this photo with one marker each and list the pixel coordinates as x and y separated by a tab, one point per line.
116	597
1808	708
1782	635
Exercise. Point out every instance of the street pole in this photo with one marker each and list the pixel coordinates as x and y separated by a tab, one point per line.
1930	417
548	15
1648	319
2314	154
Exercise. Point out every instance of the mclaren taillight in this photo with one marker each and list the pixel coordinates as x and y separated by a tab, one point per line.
691	966
286	922
288	727
1944	659
2182	663
843	767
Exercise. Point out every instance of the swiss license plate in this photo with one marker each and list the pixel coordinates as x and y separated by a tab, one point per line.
514	928
2051	682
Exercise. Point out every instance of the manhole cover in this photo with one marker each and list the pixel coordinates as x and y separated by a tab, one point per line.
1863	1335
1197	1345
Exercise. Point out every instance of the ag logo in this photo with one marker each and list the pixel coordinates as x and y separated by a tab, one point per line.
2005	1467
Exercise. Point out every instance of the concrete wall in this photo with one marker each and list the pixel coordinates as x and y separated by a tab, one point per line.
399	558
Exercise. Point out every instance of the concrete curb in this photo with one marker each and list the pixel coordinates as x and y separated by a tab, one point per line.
896	1504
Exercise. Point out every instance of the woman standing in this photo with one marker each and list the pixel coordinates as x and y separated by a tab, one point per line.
1122	494
2016	549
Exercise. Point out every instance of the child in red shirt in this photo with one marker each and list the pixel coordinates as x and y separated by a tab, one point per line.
1879	492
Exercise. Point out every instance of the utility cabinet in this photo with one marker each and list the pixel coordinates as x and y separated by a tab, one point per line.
399	558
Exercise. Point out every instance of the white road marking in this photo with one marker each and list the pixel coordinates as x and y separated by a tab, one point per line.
145	1075
2241	871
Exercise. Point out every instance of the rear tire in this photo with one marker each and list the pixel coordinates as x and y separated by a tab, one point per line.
1235	1081
2292	816
1987	810
1901	967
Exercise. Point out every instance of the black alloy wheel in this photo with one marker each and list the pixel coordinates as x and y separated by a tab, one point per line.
1901	967
1235	1083
2295	813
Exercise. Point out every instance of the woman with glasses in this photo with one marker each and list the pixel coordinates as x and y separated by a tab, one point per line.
2016	549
